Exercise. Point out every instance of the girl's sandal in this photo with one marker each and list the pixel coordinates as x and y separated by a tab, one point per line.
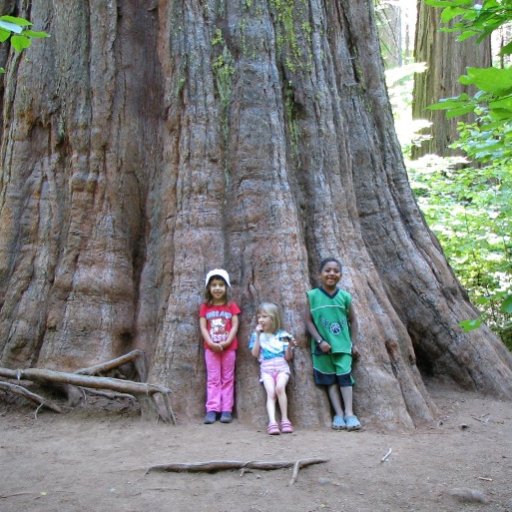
273	429
286	427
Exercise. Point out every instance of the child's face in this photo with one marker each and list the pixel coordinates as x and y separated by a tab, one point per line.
330	275
217	289
265	321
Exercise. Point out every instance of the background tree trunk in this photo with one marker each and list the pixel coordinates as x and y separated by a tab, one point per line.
145	143
446	60
389	25
396	27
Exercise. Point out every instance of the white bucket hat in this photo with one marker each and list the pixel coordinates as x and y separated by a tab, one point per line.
217	272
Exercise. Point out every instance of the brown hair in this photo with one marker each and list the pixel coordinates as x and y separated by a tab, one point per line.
207	294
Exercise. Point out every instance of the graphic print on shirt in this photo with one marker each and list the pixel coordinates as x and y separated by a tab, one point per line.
218	332
334	328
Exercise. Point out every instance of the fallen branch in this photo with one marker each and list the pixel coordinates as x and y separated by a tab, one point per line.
484	418
226	465
3	496
29	395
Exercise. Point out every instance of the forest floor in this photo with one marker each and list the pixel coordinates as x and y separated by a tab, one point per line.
97	461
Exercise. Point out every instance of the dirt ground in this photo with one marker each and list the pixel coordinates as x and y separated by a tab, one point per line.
97	461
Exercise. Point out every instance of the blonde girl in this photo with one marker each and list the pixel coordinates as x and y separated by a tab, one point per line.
273	347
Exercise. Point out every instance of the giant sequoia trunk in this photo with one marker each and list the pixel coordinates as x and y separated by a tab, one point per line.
146	142
446	59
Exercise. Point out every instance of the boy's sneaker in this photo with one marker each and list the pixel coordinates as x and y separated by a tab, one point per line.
338	423
226	417
352	423
211	417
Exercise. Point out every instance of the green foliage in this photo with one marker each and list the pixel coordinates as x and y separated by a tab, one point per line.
16	30
470	209
507	305
493	101
492	104
471	19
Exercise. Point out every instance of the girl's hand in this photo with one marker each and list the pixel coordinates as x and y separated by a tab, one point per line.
259	328
215	347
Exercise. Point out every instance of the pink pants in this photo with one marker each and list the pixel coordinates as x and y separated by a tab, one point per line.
220	380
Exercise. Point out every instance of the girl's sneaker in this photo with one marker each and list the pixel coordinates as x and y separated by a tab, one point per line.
211	417
226	417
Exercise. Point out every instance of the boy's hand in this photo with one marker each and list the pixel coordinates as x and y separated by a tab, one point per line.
324	347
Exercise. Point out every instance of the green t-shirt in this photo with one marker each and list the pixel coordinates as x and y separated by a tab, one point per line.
330	316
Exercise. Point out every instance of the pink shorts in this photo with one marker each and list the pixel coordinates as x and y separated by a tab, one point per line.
274	367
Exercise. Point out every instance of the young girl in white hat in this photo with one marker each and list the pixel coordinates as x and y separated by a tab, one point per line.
218	319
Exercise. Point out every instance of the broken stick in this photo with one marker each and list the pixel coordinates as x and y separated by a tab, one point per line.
386	457
226	465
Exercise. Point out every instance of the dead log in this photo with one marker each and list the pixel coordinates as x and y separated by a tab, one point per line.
141	390
226	465
29	395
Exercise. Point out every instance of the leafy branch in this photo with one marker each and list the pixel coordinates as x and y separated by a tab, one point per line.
471	19
17	31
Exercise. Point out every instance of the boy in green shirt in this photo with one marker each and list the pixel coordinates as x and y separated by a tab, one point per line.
331	322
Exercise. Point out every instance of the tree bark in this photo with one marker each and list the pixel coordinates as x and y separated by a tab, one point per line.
446	59
147	142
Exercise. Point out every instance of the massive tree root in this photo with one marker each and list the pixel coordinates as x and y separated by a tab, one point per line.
29	395
85	379
136	357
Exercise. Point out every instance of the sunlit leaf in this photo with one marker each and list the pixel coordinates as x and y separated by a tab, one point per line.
507	49
7	25
22	22
35	35
506	307
4	35
20	43
470	325
492	80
